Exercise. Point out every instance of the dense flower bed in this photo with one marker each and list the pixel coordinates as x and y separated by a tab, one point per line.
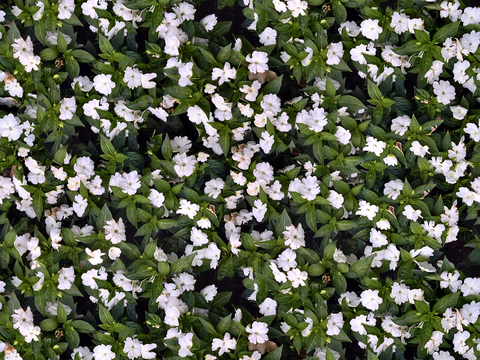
178	184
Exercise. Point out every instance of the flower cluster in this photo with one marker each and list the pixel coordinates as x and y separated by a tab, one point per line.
171	189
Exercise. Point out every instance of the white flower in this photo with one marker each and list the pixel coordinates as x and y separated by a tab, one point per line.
467	196
343	135
390	160
335	199
458	112
184	11
351	28
14	88
84	166
188	209
156	198
297	277
259	210
367	209
132	77
258	332
335	53
132	347
66	277
418	149
68	107
10	127
444	91
377	238
374	146
103	84
209	22
79	205
370	299
411	214
294	237
399	293
370	29
103	352
225	74
258	62
184	165
268	37
114	253
399	22
268	307
214	187
473	130
115	231
95	256
297	7
224	345
209	292
400	124
334	324
393	188
383	224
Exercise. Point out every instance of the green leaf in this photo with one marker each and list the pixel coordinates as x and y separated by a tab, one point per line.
106	146
224	324
447	31
82	326
330	250
448	301
167	148
282	223
9	240
409	48
38	202
166	223
142	103
104	216
225	3
352	103
408	319
275	354
49	54
273	87
208	56
316	269
178	92
105	46
339	11
422	307
61	313
49	324
182	264
224	54
225	139
208	327
362	266
132	212
105	316
374	91
422	36
82	56
339	282
72	67
248	242
69	237
61	42
330	88
73	339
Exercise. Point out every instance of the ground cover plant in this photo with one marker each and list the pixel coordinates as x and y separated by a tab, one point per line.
252	179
